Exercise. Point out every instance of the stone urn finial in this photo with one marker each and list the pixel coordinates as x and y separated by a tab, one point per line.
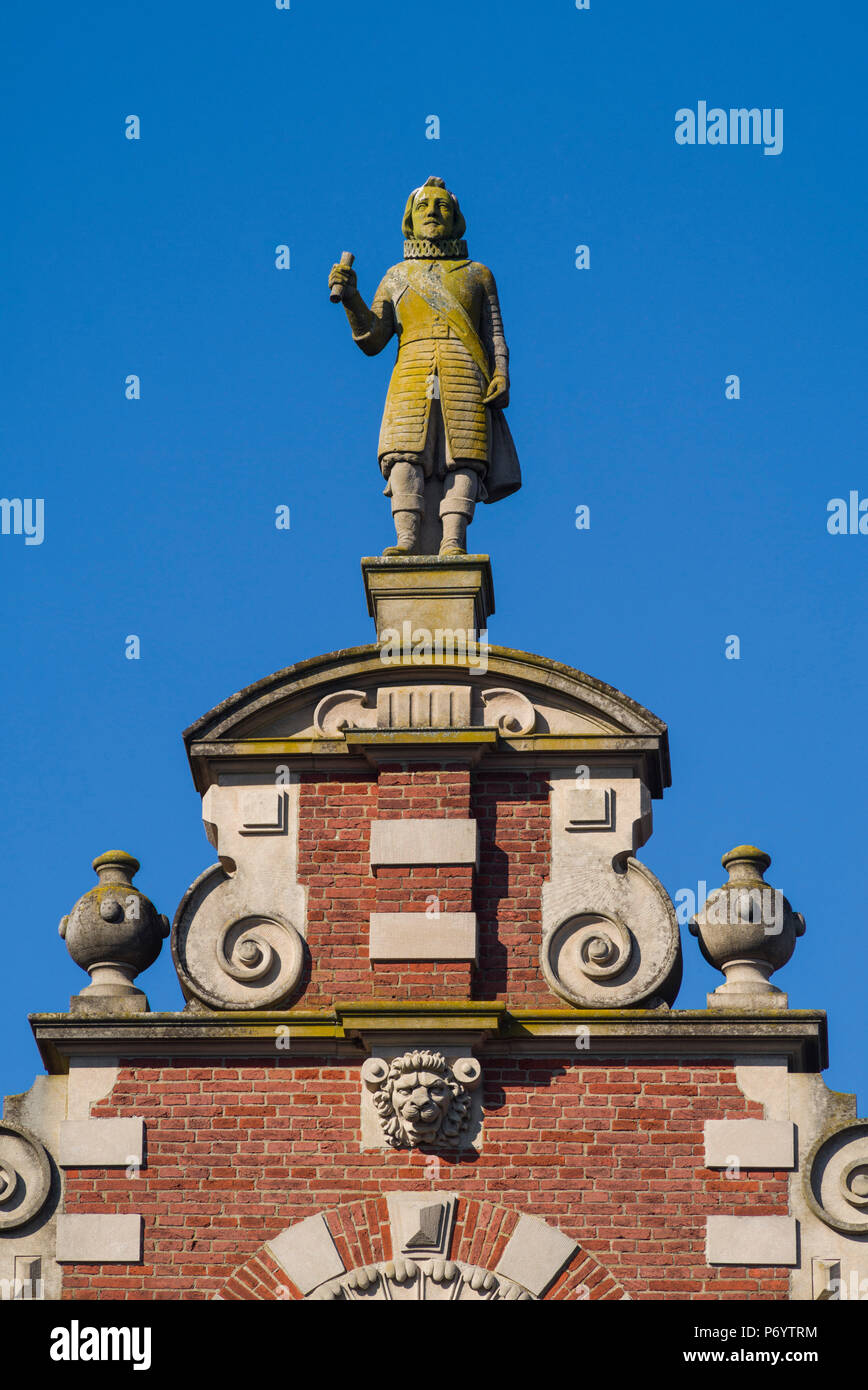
747	929
113	933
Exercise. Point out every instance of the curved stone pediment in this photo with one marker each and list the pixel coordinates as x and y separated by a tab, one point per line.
517	695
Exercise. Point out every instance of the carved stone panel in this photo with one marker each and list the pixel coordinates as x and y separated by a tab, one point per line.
420	705
405	1280
423	707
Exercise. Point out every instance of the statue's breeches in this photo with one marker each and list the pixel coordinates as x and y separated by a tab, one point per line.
408	404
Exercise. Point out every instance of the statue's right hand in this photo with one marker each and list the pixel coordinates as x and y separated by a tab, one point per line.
344	277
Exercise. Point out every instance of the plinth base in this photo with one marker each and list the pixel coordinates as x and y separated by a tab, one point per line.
749	1001
452	594
87	1005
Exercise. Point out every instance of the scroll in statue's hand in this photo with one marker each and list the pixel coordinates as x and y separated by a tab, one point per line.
498	392
344	277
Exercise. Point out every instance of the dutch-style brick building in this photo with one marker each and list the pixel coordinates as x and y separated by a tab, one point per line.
432	1047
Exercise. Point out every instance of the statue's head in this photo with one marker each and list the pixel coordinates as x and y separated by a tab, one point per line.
420	1102
432	213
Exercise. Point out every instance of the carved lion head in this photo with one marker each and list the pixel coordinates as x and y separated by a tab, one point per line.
421	1103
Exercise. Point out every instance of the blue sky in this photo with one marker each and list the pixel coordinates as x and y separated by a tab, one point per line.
261	127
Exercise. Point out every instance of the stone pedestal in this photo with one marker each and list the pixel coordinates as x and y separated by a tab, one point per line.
452	594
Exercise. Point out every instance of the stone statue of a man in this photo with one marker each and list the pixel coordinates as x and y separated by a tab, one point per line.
444	444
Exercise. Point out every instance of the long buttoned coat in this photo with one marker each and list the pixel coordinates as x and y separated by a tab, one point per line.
446	316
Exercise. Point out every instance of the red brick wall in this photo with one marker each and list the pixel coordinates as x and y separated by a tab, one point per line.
512	810
334	840
612	1154
334	845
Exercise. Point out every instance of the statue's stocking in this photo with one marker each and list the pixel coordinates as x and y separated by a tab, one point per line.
407	483
456	509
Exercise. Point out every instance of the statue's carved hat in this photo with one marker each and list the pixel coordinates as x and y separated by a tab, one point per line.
460	226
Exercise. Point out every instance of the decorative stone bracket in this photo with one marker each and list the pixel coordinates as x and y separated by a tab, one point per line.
237	938
610	934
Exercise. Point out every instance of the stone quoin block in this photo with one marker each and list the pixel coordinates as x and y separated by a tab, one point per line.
97	1239
749	1143
751	1240
416	936
410	842
101	1143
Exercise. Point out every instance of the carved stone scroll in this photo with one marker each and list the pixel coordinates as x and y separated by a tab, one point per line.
612	939
25	1176
836	1178
341	710
610	934
237	938
508	711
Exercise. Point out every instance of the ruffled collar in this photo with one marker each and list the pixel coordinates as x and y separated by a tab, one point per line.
418	249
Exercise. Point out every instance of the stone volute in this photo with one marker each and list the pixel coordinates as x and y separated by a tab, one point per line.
113	933
747	929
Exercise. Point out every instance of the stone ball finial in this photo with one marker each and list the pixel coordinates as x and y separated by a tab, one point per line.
745	860
119	866
747	930
113	932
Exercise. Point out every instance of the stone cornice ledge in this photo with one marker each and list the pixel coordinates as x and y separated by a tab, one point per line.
799	1035
351	1027
360	1016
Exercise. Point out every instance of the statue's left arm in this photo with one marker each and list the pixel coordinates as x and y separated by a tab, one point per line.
494	341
